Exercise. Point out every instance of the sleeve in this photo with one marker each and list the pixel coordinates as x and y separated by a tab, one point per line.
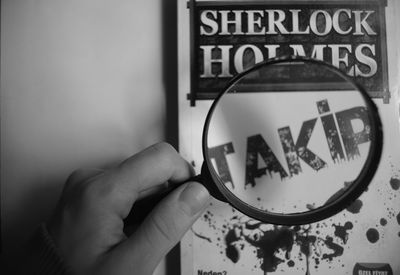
41	255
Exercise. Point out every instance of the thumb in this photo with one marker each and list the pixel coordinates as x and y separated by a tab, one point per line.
164	227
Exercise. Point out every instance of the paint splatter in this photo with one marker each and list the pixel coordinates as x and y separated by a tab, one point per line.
372	235
268	245
290	263
201	236
337	249
341	231
310	206
395	183
232	252
355	207
273	245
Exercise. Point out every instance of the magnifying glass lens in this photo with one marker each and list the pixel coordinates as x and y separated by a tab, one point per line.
291	137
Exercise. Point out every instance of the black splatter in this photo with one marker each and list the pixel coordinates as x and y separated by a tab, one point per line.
231	250
306	241
395	183
383	222
341	231
232	253
337	249
201	236
290	263
355	207
372	235
323	106
251	225
398	218
269	243
310	206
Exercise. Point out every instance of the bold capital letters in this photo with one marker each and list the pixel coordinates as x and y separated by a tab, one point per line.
257	145
362	23
301	147
352	139
223	60
219	153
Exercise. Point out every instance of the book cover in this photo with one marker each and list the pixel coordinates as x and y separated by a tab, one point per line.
219	39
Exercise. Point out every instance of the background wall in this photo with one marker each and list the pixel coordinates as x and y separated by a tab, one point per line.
84	83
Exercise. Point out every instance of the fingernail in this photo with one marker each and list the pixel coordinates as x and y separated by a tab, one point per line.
194	198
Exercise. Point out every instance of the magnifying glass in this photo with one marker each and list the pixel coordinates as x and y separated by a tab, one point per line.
291	141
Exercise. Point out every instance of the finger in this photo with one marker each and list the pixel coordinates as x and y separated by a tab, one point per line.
81	175
145	170
163	228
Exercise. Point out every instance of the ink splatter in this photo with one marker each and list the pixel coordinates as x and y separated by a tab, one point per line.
310	206
269	243
322	243
232	252
253	225
395	183
372	235
355	207
341	231
274	244
201	236
306	242
323	106
337	249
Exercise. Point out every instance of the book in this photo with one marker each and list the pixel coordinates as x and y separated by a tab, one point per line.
218	40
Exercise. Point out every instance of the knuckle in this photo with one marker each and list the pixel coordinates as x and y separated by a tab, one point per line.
95	189
164	228
89	194
75	176
164	149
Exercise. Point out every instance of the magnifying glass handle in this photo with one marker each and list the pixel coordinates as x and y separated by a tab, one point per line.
143	206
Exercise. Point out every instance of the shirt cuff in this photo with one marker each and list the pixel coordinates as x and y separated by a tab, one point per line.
43	256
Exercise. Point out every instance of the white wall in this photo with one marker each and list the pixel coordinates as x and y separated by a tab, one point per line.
81	86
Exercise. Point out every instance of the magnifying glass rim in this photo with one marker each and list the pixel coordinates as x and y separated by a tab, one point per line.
329	209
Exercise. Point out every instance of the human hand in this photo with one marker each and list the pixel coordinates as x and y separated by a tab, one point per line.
88	224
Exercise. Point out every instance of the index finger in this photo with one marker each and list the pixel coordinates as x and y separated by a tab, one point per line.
149	168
